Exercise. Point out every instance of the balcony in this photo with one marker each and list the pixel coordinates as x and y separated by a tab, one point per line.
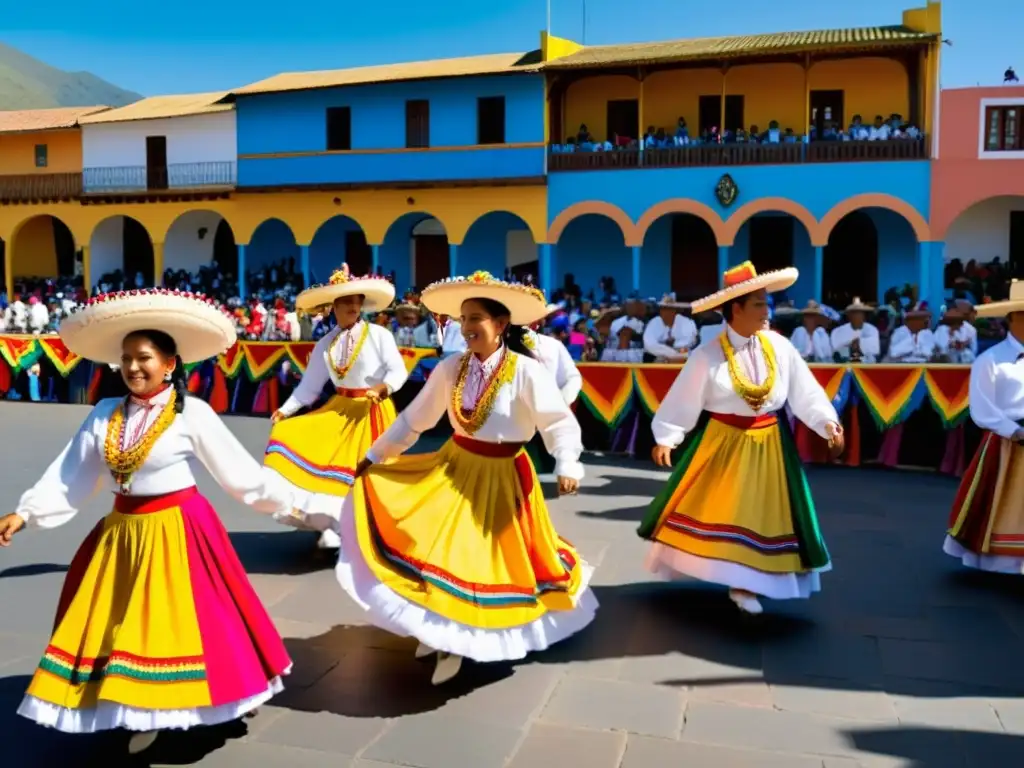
179	177
32	187
705	155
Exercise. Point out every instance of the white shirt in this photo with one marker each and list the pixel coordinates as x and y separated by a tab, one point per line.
38	317
452	341
967	333
996	393
880	133
423	337
816	347
197	433
704	385
870	342
634	353
555	357
906	347
710	332
405	336
530	403
683	333
379	362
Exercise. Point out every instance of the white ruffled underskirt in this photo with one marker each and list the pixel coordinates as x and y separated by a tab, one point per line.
391	612
312	511
991	563
672	563
109	715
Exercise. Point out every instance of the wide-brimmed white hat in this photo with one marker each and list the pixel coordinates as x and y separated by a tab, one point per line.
1002	308
201	327
378	293
813	308
668	301
858	306
525	303
743	279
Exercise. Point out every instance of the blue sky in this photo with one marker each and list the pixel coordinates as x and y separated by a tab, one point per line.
220	44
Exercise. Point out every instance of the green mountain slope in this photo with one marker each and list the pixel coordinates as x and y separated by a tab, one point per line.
27	83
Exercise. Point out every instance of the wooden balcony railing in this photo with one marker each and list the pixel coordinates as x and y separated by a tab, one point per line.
31	187
178	176
705	155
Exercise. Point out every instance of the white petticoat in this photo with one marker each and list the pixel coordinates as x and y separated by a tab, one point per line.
108	715
673	563
393	613
312	511
991	563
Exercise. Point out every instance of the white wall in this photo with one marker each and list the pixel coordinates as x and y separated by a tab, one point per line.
982	232
106	249
183	249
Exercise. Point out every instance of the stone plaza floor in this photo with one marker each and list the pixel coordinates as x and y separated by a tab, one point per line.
904	659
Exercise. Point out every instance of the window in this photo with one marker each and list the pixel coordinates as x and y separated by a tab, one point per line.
41	156
490	120
1002	128
339	128
417	124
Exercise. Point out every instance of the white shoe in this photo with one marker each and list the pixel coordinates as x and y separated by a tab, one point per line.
448	666
746	602
140	742
329	540
422	651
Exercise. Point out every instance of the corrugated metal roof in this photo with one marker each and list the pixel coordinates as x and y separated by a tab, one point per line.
740	45
468	66
157	107
26	120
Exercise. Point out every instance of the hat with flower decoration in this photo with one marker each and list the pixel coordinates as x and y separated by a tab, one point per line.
525	303
378	293
200	326
742	280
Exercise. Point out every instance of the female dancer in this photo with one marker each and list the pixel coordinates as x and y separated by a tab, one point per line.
157	625
737	509
317	453
455	548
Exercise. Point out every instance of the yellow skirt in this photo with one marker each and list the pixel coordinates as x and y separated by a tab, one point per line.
457	549
317	453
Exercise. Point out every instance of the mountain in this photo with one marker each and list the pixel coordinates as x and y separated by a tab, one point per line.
27	83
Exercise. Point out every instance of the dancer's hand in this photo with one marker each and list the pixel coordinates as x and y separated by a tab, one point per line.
378	393
567	486
10	525
277	416
662	456
836	442
361	468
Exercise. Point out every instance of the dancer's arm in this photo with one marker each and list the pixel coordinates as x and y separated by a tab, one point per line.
806	397
556	423
570	380
312	382
981	396
396	373
231	465
682	406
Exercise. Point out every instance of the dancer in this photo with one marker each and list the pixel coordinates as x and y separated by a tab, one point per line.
317	453
555	357
157	625
737	509
455	548
986	524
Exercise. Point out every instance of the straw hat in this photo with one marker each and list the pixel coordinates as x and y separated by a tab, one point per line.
813	308
858	306
668	301
201	328
958	310
608	314
378	292
742	280
525	303
401	308
920	309
1002	308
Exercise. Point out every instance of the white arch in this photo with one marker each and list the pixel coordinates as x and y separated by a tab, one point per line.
190	240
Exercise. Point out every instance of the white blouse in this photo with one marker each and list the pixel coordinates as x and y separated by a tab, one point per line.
197	433
554	355
704	385
814	346
870	343
656	335
965	333
379	362
531	402
996	392
907	347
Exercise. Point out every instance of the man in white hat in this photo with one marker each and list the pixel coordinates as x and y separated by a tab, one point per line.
811	339
986	523
625	339
913	342
737	509
857	341
956	338
670	336
408	319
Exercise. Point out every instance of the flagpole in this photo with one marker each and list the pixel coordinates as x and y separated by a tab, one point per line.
549	17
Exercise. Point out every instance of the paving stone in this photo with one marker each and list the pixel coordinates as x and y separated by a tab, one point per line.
824	653
271	756
613	705
973	714
1010	713
438	741
833	698
645	752
323	732
745	694
513	701
550	746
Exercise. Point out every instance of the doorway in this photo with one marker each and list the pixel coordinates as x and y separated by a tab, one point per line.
358	254
826	107
771	242
850	261
431	259
694	257
156	162
1016	256
138	253
623	118
709	110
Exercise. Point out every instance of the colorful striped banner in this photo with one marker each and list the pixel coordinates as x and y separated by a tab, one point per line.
652	383
948	388
835	380
607	391
891	392
20	352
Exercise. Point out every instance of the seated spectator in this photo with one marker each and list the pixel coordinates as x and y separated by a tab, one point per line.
880	131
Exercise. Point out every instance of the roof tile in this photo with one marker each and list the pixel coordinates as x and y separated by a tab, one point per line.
156	107
26	120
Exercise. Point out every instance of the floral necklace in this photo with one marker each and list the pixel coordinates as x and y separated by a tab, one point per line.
755	395
471	419
341	371
124	461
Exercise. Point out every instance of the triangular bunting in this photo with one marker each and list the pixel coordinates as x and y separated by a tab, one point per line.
832	379
231	359
262	356
299	352
891	391
62	358
607	390
652	384
948	388
19	352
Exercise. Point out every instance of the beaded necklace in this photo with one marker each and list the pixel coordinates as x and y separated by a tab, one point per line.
471	419
125	460
341	371
755	395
